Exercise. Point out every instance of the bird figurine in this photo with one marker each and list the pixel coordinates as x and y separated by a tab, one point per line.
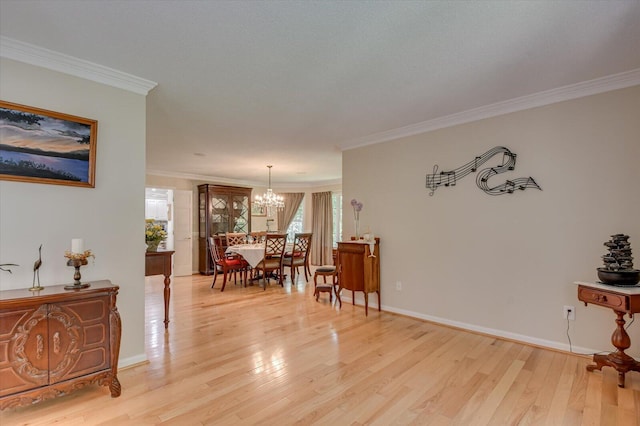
4	267
36	271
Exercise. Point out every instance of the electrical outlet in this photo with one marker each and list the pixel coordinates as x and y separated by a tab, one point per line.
569	312
398	285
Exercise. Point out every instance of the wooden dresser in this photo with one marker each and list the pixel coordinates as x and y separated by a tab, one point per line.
359	270
55	341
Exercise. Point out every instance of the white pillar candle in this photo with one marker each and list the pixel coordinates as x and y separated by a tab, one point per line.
77	245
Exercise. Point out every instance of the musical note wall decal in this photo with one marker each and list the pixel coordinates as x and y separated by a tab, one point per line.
451	177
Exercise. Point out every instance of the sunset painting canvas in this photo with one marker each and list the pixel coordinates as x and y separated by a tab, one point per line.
43	146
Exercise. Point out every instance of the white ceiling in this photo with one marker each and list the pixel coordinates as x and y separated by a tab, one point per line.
293	83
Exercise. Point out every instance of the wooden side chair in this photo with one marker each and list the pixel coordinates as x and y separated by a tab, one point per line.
274	246
227	265
325	271
299	256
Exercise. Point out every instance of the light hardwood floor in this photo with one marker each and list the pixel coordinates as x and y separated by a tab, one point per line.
278	357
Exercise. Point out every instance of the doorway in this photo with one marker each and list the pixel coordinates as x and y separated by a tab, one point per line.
172	210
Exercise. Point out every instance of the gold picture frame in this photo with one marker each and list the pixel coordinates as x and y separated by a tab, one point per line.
42	146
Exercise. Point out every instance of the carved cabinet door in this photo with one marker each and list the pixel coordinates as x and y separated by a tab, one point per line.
78	338
351	259
24	359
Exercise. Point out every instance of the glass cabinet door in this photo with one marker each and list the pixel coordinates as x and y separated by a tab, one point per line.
240	205
219	214
202	215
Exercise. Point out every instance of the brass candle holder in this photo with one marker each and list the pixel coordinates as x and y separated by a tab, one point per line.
77	260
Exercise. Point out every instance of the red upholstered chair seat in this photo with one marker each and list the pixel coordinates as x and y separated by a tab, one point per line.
232	261
294	254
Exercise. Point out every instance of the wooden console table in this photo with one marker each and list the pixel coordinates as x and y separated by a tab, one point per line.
159	263
55	341
623	300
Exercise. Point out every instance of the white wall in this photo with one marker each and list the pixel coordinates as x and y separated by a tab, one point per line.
109	217
506	264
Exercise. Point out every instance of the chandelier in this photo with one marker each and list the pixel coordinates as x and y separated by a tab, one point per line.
270	200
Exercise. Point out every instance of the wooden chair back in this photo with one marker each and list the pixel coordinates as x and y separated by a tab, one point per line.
302	244
300	255
274	245
215	248
234	238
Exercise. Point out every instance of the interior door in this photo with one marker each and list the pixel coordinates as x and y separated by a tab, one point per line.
182	232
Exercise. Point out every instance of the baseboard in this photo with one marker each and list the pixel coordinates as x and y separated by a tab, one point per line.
131	361
521	338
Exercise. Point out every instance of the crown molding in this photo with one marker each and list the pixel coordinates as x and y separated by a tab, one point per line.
284	187
56	61
547	97
206	178
227	181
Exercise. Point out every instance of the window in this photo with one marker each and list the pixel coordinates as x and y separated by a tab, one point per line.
336	201
296	224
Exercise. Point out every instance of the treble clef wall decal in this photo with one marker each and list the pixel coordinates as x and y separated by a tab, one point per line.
450	178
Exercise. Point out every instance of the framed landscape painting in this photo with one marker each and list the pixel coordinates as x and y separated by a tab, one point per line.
258	210
43	146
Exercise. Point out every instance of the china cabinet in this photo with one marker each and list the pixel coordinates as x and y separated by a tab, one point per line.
221	209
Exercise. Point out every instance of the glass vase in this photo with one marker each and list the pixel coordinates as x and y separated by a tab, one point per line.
152	245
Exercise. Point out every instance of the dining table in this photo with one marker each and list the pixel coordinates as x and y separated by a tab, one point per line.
252	253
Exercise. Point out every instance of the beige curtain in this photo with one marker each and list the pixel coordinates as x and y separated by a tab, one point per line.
292	202
322	227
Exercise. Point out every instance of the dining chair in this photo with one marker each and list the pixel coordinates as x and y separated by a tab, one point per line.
258	236
237	264
234	238
274	247
299	256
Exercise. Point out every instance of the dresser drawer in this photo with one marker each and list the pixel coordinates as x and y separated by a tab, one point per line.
619	302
